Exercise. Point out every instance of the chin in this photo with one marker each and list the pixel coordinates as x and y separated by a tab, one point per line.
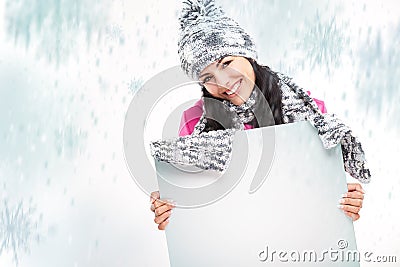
237	102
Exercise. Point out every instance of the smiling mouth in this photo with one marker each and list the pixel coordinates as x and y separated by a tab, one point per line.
234	88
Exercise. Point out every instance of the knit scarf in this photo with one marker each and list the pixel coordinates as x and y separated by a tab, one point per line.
212	150
229	115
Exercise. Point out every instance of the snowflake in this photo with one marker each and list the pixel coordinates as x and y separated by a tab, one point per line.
134	85
114	32
323	43
54	28
378	75
17	229
69	140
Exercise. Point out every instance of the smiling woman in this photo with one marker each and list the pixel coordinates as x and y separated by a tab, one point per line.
238	94
251	75
230	78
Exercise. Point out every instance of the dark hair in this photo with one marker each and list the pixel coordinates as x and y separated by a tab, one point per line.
267	81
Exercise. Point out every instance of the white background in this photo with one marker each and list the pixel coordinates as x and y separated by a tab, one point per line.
68	72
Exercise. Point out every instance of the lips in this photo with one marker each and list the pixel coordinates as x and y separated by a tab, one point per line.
234	88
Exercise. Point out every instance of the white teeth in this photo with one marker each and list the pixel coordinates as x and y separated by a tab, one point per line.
234	89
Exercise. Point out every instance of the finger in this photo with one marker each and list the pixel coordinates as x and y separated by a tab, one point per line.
351	202
349	208
154	195
160	202
159	219
355	187
353	216
164	208
161	209
354	194
153	207
163	225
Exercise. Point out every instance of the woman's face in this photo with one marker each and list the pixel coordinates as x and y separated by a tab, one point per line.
231	78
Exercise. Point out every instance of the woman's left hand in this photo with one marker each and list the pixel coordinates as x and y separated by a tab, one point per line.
351	202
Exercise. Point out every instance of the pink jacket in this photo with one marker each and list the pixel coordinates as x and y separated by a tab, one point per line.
192	115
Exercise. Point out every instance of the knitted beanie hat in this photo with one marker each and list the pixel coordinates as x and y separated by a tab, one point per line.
207	34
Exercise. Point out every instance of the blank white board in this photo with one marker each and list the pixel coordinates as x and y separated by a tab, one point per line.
291	217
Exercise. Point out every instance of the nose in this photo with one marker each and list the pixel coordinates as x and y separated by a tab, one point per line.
223	80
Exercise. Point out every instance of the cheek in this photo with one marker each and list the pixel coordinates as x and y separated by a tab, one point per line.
251	77
212	90
245	69
250	72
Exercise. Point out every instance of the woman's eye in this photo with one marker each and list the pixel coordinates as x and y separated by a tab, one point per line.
226	63
206	79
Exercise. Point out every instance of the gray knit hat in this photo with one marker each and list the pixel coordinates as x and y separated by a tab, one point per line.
207	35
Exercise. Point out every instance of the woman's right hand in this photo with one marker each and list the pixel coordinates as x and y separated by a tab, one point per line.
162	209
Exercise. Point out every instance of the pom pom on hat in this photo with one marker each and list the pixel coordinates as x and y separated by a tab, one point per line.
194	10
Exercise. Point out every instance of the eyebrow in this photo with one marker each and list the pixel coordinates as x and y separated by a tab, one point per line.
203	75
218	62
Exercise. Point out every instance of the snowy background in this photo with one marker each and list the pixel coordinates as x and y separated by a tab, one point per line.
69	69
